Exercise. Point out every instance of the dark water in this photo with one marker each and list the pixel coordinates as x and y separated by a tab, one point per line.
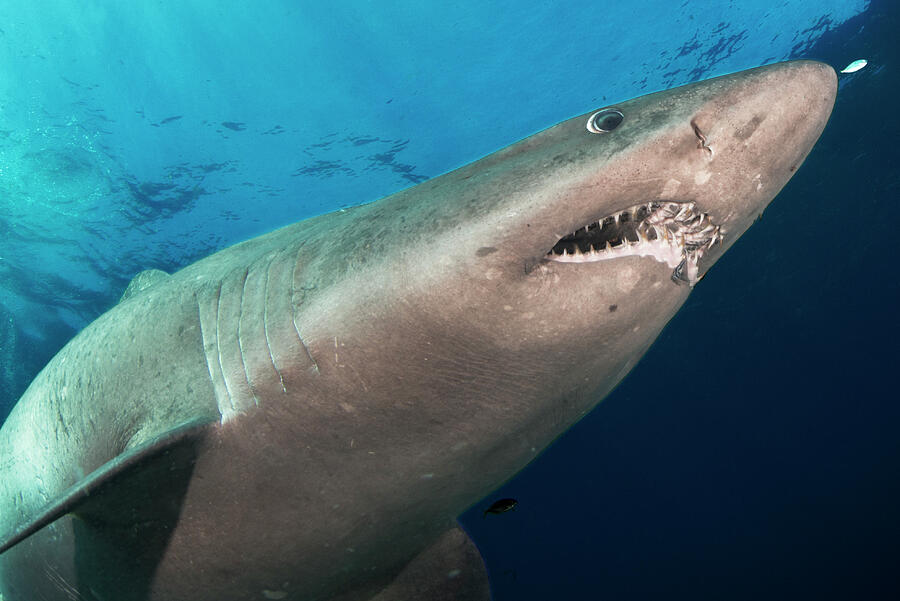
755	450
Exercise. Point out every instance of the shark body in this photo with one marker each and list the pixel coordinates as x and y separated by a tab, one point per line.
303	415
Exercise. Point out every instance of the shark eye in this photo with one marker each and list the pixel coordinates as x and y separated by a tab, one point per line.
604	121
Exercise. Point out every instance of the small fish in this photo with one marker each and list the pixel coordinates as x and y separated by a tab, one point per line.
855	66
501	506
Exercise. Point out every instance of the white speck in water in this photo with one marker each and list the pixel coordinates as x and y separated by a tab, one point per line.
271	594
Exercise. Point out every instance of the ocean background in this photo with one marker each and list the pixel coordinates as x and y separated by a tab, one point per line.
755	450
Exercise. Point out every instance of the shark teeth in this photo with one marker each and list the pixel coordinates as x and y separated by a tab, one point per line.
674	233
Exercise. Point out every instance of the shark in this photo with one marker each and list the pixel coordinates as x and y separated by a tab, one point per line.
303	416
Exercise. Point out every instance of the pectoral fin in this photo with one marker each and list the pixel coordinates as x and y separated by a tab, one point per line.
119	487
451	569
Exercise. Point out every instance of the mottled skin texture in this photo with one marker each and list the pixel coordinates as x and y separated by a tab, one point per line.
368	374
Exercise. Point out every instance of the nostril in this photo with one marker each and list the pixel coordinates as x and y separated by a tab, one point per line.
702	143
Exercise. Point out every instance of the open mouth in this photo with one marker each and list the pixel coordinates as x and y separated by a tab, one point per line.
675	233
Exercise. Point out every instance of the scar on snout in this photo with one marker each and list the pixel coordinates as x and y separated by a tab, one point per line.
749	127
702	144
485	251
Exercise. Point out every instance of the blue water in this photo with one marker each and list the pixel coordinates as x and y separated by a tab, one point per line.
753	453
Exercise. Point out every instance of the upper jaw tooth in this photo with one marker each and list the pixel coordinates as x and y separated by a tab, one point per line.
680	233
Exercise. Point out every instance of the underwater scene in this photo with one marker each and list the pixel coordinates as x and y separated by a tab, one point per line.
319	301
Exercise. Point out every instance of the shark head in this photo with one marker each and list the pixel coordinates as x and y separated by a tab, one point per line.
535	278
704	188
675	176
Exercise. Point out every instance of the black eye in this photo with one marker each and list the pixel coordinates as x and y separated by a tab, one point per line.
604	121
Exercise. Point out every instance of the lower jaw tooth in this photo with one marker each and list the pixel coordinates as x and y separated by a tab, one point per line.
672	233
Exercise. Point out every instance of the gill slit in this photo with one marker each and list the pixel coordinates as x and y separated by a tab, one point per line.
240	342
266	325
294	312
219	346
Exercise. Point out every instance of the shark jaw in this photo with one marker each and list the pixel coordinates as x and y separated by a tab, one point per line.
675	233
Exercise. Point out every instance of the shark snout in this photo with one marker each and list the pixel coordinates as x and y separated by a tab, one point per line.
818	78
798	100
772	110
757	131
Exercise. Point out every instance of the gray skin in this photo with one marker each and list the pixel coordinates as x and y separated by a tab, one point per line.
302	416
